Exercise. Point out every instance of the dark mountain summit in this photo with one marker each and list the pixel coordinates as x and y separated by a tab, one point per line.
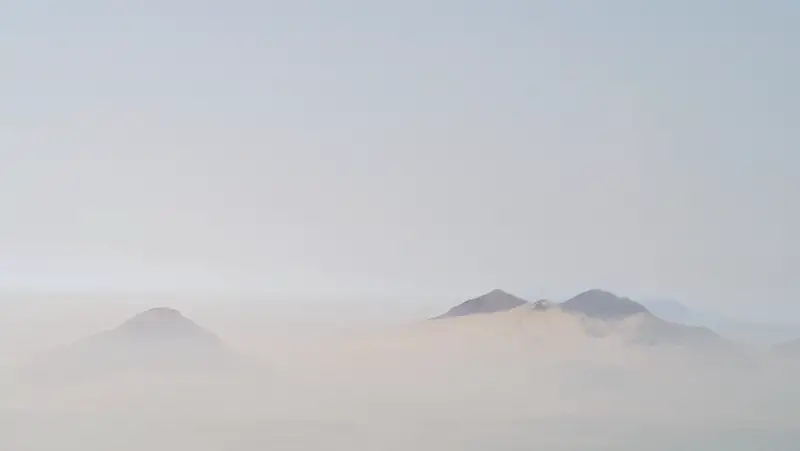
491	302
603	305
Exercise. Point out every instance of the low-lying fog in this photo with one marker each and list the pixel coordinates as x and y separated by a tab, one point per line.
516	380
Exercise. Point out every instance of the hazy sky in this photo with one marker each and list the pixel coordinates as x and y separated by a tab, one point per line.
360	147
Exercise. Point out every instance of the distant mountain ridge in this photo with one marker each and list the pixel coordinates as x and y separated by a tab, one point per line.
595	305
743	330
592	303
673	311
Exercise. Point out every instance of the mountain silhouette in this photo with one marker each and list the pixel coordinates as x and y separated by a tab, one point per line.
162	326
654	330
157	340
597	304
491	302
651	330
603	305
738	329
598	310
672	311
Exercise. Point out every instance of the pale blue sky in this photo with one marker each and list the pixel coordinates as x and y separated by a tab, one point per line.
406	147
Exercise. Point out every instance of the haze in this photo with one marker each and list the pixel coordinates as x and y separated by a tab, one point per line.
313	181
414	148
510	380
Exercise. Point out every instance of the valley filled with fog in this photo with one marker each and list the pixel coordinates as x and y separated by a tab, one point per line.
593	373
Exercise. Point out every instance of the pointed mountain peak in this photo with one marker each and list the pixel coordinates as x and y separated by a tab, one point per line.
494	301
162	323
159	314
603	305
158	339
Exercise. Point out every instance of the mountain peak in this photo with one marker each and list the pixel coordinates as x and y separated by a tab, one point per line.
162	324
599	294
159	314
494	301
603	305
158	339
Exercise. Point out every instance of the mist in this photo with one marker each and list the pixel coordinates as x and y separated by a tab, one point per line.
510	380
244	226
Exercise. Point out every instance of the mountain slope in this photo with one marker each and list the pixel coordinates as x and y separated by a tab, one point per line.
672	311
491	302
160	326
745	331
657	331
603	305
159	340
